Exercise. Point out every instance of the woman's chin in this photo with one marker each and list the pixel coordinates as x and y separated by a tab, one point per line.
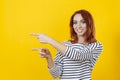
80	34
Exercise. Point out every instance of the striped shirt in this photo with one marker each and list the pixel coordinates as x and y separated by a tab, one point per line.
77	62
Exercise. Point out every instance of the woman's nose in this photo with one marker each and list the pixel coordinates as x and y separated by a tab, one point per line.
79	25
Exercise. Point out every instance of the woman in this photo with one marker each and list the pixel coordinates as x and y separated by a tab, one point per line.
75	58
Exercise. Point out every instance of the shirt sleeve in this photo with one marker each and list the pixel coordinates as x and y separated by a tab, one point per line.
56	70
86	53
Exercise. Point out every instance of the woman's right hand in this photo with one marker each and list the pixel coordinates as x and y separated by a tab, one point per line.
44	52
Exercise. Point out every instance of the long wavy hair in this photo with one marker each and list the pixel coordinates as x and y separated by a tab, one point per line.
90	33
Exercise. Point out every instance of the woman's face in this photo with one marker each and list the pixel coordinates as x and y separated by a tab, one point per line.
79	25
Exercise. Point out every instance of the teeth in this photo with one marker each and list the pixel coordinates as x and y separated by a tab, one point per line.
79	31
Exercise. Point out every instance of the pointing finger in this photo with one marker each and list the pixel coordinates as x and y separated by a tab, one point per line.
36	49
34	34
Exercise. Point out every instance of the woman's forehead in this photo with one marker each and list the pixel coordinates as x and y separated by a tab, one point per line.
78	17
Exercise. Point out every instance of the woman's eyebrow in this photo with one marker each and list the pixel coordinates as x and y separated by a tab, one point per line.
79	20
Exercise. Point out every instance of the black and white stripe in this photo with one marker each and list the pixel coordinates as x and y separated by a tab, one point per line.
77	62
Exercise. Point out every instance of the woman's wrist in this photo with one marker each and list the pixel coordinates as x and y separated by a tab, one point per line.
50	62
48	57
51	41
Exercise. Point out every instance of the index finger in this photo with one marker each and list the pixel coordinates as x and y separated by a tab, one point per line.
34	34
36	49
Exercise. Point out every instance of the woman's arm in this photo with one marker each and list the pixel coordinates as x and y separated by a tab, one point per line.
45	53
50	62
69	51
54	67
59	46
46	39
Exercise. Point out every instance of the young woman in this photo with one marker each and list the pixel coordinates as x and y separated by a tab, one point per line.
76	57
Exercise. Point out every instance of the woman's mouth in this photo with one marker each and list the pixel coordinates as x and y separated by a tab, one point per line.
79	30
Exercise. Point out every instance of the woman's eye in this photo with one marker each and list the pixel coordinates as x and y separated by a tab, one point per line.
74	22
83	21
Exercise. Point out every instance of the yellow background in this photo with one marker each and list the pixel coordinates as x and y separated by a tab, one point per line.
19	18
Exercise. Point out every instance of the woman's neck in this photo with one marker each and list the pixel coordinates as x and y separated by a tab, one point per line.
81	39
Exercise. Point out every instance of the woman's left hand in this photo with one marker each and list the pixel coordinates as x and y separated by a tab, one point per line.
44	52
42	37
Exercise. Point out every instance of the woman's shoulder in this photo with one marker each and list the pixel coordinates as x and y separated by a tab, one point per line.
93	44
96	44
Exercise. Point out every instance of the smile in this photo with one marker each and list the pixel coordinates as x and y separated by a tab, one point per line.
79	30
